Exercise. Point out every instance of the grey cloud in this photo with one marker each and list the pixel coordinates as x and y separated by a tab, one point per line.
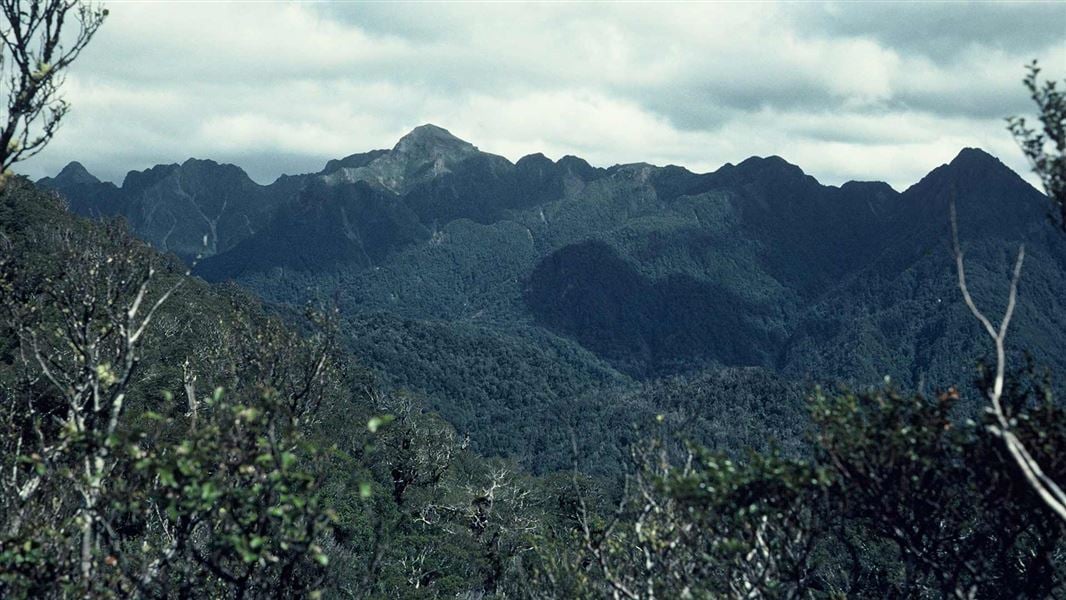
940	30
263	167
997	103
280	88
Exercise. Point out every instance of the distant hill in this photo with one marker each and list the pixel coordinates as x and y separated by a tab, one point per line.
603	277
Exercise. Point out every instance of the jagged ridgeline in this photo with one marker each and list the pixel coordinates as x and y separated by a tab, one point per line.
518	297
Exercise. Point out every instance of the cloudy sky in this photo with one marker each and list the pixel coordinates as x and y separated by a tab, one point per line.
873	91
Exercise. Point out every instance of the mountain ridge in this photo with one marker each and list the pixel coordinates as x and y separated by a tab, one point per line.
421	134
436	229
468	279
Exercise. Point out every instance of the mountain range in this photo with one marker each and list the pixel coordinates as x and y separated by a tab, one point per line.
517	296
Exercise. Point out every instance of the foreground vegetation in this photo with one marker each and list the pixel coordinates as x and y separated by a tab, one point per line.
162	437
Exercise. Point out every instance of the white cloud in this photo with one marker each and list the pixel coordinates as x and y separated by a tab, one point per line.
841	93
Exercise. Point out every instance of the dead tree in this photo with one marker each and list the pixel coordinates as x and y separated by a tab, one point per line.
1048	491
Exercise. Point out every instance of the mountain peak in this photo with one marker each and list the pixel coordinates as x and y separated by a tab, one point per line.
979	183
974	157
772	170
432	140
971	167
74	174
193	162
426	152
772	163
429	129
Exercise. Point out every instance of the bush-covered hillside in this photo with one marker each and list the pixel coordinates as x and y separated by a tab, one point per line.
228	456
451	267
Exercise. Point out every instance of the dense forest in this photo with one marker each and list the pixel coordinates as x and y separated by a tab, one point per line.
547	285
255	459
431	372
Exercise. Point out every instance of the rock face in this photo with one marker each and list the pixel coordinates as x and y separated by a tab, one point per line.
424	154
197	208
656	270
202	208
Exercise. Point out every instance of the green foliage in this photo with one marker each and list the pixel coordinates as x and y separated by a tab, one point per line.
246	460
1045	147
505	389
509	299
732	411
40	43
111	488
648	327
243	475
898	500
504	293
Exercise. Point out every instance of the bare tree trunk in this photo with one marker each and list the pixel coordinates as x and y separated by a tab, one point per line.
1044	486
190	393
87	548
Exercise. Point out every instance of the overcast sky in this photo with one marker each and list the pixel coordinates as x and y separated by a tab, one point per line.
873	91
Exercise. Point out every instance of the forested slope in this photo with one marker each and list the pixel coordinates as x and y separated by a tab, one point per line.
222	454
647	321
451	267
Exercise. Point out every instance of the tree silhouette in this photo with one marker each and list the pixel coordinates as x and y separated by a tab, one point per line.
41	38
1046	149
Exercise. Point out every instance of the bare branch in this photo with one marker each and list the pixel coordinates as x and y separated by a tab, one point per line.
1050	492
39	42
